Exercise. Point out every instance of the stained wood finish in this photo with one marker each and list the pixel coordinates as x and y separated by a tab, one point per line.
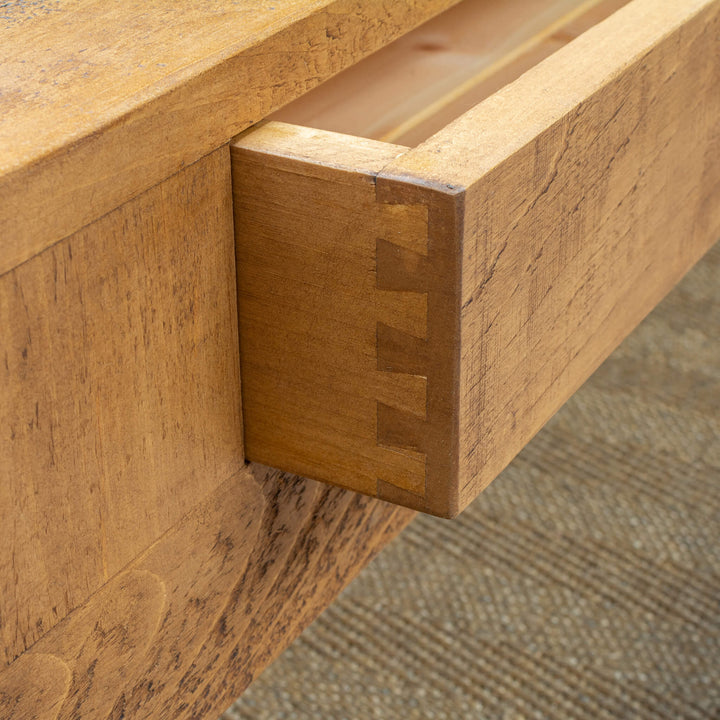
120	402
101	100
559	212
185	627
578	217
312	308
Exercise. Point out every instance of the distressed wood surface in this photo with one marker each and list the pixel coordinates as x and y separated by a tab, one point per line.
100	100
416	85
182	630
120	402
578	215
558	213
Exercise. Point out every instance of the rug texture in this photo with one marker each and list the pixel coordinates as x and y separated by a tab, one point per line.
583	584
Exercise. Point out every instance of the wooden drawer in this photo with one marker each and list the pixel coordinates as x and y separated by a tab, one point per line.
148	570
410	318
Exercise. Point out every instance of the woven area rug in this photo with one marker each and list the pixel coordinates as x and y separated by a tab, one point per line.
584	583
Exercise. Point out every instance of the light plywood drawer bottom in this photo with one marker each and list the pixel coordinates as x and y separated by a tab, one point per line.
410	318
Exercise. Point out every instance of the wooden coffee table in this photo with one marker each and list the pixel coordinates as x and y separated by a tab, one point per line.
362	290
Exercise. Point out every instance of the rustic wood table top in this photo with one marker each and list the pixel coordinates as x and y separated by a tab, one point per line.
103	99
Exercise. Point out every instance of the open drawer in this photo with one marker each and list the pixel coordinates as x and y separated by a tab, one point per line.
410	318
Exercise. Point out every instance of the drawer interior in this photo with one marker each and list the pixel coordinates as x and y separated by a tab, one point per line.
412	88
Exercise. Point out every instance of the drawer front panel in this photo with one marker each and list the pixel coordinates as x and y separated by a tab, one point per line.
314	310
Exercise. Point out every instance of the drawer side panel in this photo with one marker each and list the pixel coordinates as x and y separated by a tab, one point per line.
571	240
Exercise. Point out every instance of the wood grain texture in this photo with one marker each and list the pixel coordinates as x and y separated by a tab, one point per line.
100	100
312	310
502	72
558	213
120	404
413	87
183	629
578	216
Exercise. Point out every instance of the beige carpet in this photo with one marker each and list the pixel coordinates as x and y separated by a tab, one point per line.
584	583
